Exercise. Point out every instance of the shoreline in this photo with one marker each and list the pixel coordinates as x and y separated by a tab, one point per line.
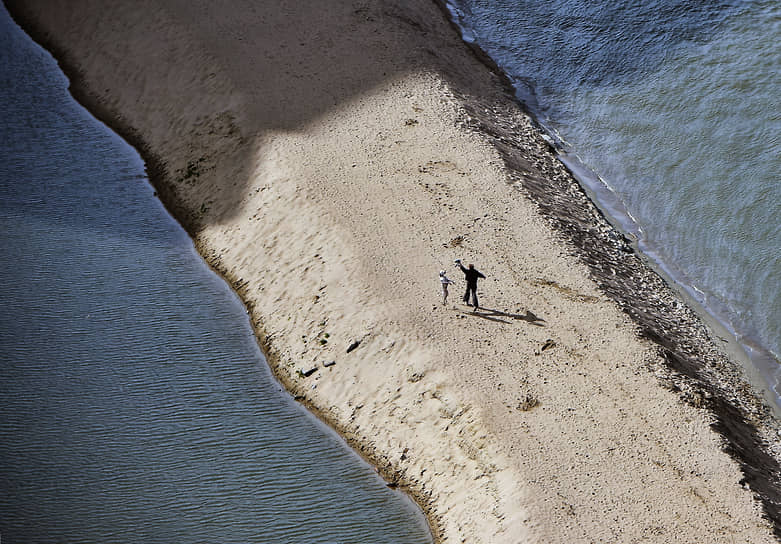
607	255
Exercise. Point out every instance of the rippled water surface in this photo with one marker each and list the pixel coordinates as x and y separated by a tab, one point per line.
136	406
674	109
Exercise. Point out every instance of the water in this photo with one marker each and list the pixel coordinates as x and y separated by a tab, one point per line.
671	112
136	406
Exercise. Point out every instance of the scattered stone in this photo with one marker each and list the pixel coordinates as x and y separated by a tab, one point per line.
527	403
414	377
456	242
305	373
353	346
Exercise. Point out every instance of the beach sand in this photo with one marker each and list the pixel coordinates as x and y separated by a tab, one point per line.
329	158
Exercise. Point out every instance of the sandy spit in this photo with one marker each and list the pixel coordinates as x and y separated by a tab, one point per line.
329	158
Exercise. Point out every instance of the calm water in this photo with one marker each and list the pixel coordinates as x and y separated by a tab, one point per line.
135	404
670	111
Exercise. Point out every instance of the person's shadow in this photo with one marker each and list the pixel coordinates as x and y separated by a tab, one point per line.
496	315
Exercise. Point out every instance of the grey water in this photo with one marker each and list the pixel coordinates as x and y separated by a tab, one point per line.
670	112
135	405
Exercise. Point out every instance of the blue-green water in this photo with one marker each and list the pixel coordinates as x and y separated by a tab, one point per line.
670	111
135	405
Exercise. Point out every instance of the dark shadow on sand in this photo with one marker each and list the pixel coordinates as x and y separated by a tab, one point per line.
492	314
310	72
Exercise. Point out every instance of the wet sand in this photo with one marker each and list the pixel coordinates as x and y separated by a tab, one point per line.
328	159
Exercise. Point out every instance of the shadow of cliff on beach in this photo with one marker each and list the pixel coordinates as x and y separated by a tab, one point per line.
211	116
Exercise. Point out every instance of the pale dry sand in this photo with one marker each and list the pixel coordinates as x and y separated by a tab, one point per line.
329	159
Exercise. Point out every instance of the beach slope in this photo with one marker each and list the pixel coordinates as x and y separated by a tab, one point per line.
329	158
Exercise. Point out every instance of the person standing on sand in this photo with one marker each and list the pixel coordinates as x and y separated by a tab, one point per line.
445	281
471	275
